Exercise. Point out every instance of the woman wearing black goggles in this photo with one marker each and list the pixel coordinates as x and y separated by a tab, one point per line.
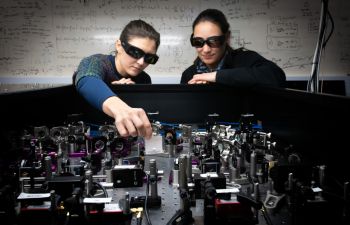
218	62
133	54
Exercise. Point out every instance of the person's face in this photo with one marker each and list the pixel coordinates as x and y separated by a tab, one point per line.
128	65
211	56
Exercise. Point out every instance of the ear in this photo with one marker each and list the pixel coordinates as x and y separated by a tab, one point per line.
228	38
118	46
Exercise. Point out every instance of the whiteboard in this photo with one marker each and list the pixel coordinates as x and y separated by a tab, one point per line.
44	40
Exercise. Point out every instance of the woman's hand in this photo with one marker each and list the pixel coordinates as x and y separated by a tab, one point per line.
129	121
123	81
203	78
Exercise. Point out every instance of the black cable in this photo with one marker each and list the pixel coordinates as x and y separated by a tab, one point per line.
336	181
175	217
146	199
319	46
332	28
328	17
102	188
333	195
266	215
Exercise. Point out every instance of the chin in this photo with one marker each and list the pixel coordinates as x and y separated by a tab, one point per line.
209	62
134	73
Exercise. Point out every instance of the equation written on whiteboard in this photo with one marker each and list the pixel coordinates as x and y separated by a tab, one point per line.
50	37
282	34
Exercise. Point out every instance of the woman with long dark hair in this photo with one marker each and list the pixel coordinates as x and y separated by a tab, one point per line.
218	62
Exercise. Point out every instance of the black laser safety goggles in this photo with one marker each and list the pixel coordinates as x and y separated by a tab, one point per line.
213	42
139	53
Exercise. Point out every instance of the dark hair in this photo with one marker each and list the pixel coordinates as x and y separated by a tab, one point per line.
214	16
139	28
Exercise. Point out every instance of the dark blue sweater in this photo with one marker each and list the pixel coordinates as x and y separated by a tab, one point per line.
94	76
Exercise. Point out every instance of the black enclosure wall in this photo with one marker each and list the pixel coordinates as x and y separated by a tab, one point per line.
316	125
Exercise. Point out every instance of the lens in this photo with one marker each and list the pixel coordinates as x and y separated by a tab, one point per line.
134	52
216	41
151	58
197	42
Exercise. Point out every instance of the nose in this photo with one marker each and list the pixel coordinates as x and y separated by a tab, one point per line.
206	48
141	61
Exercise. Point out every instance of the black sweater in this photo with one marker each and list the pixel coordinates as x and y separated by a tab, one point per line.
244	68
